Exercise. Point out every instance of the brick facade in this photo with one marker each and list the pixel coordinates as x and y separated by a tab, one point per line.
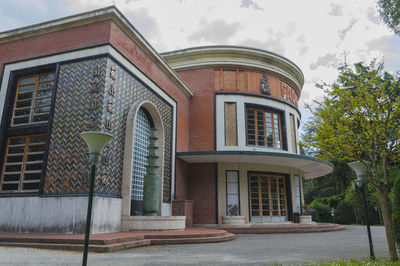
202	190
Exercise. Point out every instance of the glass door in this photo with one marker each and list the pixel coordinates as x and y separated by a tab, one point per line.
267	197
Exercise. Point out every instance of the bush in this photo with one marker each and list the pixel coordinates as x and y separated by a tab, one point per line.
344	214
322	212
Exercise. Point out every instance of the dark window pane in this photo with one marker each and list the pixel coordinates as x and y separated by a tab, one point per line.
24	104
31	167
11	177
32	176
35	148
16	150
43	101
14	159
30	186
25	96
17	141
44	93
10	187
25	111
41	118
27	80
21	120
35	157
47	76
43	109
45	85
26	88
38	139
13	168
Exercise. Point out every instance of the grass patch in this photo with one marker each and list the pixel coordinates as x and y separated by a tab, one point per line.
362	262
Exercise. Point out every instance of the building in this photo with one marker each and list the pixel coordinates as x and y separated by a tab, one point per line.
226	119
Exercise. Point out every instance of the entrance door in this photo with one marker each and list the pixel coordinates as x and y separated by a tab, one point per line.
267	197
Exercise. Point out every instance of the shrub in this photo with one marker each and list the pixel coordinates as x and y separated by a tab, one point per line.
322	212
344	214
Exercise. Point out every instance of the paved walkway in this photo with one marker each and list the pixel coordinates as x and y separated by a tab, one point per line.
245	250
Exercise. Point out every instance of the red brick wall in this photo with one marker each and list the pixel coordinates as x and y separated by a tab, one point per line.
201	81
202	188
119	39
183	208
98	33
181	179
54	42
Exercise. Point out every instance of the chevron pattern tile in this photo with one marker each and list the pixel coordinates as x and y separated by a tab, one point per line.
68	165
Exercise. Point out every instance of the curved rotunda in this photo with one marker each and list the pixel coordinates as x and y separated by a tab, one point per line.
244	125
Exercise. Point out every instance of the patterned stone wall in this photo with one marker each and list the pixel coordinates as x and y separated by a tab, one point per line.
96	95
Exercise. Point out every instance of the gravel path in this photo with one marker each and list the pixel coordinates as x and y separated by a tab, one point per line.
244	250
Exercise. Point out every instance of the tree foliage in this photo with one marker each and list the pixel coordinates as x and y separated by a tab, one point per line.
389	11
359	120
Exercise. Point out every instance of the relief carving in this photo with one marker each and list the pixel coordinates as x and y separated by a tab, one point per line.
264	85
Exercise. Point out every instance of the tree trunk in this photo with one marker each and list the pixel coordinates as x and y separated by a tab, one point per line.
355	215
387	220
380	216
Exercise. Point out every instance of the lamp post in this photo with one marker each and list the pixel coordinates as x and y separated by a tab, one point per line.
361	172
95	142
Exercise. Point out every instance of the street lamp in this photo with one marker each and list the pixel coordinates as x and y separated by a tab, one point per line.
95	142
361	172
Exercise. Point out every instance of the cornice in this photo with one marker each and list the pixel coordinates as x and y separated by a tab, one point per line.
99	15
230	56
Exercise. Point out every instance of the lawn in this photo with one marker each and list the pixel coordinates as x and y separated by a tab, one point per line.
362	262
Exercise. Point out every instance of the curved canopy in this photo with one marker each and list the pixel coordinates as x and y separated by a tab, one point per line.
311	167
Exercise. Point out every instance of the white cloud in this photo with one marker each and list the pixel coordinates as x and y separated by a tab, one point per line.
328	60
336	10
313	34
217	31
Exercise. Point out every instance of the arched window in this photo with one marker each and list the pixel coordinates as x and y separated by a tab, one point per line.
143	124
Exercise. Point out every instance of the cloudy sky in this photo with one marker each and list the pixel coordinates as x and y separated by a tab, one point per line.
315	34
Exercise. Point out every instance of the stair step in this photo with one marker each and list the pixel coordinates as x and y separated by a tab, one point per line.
79	247
276	230
181	236
194	240
72	241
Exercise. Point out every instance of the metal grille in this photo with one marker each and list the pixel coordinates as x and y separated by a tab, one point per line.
23	164
140	153
33	100
267	198
263	128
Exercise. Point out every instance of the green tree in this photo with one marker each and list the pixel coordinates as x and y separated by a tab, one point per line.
353	199
389	11
360	120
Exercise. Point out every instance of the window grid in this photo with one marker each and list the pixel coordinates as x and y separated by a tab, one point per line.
232	193
23	163
267	196
33	99
141	151
293	133
263	128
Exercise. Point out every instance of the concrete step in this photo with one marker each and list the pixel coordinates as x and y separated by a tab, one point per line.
111	242
194	240
284	229
79	247
214	233
70	239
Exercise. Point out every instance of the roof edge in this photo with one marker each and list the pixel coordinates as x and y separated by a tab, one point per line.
102	14
249	57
